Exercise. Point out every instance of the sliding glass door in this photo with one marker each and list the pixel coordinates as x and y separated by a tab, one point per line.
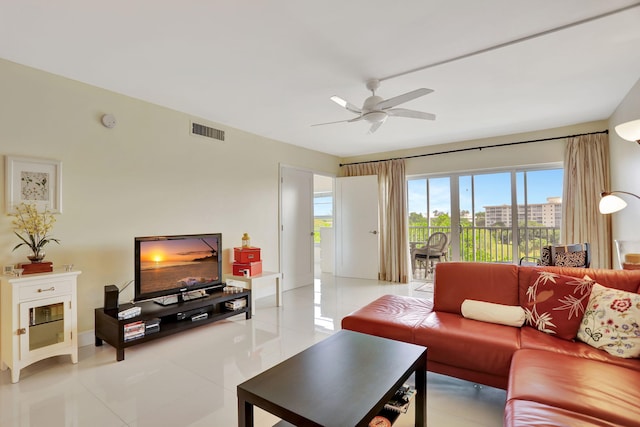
539	210
429	208
497	216
485	236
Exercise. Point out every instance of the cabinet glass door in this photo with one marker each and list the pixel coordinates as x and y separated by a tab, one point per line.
43	324
46	325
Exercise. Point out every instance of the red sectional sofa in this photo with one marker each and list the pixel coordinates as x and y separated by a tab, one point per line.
549	381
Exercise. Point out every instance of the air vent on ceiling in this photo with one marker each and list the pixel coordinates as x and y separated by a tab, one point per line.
206	131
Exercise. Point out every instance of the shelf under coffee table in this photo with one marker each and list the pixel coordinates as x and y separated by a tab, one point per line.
344	380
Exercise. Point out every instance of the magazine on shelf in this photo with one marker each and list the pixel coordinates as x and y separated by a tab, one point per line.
399	404
133	330
401	400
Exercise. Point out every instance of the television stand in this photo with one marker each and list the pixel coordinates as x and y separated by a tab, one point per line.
172	318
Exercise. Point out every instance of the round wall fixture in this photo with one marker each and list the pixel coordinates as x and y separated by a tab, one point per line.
109	120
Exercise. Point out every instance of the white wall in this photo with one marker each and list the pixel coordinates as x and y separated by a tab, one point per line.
147	176
625	169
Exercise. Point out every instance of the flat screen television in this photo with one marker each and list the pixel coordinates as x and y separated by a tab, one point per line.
169	269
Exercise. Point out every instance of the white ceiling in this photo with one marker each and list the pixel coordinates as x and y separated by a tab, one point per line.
269	67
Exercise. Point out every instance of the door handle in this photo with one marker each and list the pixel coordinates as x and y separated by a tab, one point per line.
374	232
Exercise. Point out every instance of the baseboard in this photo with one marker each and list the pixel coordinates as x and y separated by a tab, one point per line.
86	338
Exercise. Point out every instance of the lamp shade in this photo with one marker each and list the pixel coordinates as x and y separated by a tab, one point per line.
610	204
629	130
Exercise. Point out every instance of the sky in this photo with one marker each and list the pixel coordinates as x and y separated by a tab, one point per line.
490	190
186	249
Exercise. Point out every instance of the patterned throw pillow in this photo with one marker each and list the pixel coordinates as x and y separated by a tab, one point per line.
545	256
571	259
556	303
611	320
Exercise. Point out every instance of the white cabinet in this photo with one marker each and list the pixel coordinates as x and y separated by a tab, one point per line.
39	319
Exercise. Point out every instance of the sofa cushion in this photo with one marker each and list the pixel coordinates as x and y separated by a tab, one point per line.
555	303
525	413
390	316
532	338
474	345
600	390
612	322
457	281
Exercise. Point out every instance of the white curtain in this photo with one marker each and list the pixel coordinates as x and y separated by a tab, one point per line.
586	169
393	235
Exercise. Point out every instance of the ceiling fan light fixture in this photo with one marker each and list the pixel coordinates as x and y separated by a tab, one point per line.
375	116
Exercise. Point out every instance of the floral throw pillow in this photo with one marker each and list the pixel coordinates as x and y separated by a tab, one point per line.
556	303
611	321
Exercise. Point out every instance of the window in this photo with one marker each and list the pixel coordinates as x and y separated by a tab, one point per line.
490	216
322	204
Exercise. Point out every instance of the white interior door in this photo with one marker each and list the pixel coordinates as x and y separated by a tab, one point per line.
357	243
296	227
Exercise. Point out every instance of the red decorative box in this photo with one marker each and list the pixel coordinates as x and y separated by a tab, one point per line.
37	267
244	255
253	267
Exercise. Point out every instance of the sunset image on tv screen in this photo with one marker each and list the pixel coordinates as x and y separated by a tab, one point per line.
167	264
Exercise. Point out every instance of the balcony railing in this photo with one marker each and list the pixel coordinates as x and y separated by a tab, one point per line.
492	244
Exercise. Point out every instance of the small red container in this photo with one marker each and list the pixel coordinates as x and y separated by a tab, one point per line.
37	267
245	255
253	267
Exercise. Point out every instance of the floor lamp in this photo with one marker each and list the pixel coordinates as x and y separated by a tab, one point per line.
610	203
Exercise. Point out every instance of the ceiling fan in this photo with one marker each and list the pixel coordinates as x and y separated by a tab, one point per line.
376	110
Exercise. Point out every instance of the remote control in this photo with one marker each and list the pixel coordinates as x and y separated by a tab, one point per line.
199	317
129	313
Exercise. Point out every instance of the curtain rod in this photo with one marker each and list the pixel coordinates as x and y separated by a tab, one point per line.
459	150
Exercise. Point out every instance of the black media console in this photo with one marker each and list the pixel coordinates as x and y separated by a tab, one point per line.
172	318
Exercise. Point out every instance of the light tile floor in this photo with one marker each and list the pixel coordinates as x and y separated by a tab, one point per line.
190	379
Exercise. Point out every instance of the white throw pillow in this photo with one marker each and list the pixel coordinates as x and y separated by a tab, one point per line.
509	315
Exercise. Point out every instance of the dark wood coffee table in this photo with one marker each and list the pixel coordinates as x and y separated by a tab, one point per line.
342	381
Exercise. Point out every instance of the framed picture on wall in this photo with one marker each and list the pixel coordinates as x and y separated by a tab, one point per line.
33	180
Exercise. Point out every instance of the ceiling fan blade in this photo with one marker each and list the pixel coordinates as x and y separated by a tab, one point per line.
331	123
374	127
413	114
396	100
346	104
355	119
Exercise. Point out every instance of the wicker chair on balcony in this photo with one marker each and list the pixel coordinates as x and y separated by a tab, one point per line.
574	255
434	250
